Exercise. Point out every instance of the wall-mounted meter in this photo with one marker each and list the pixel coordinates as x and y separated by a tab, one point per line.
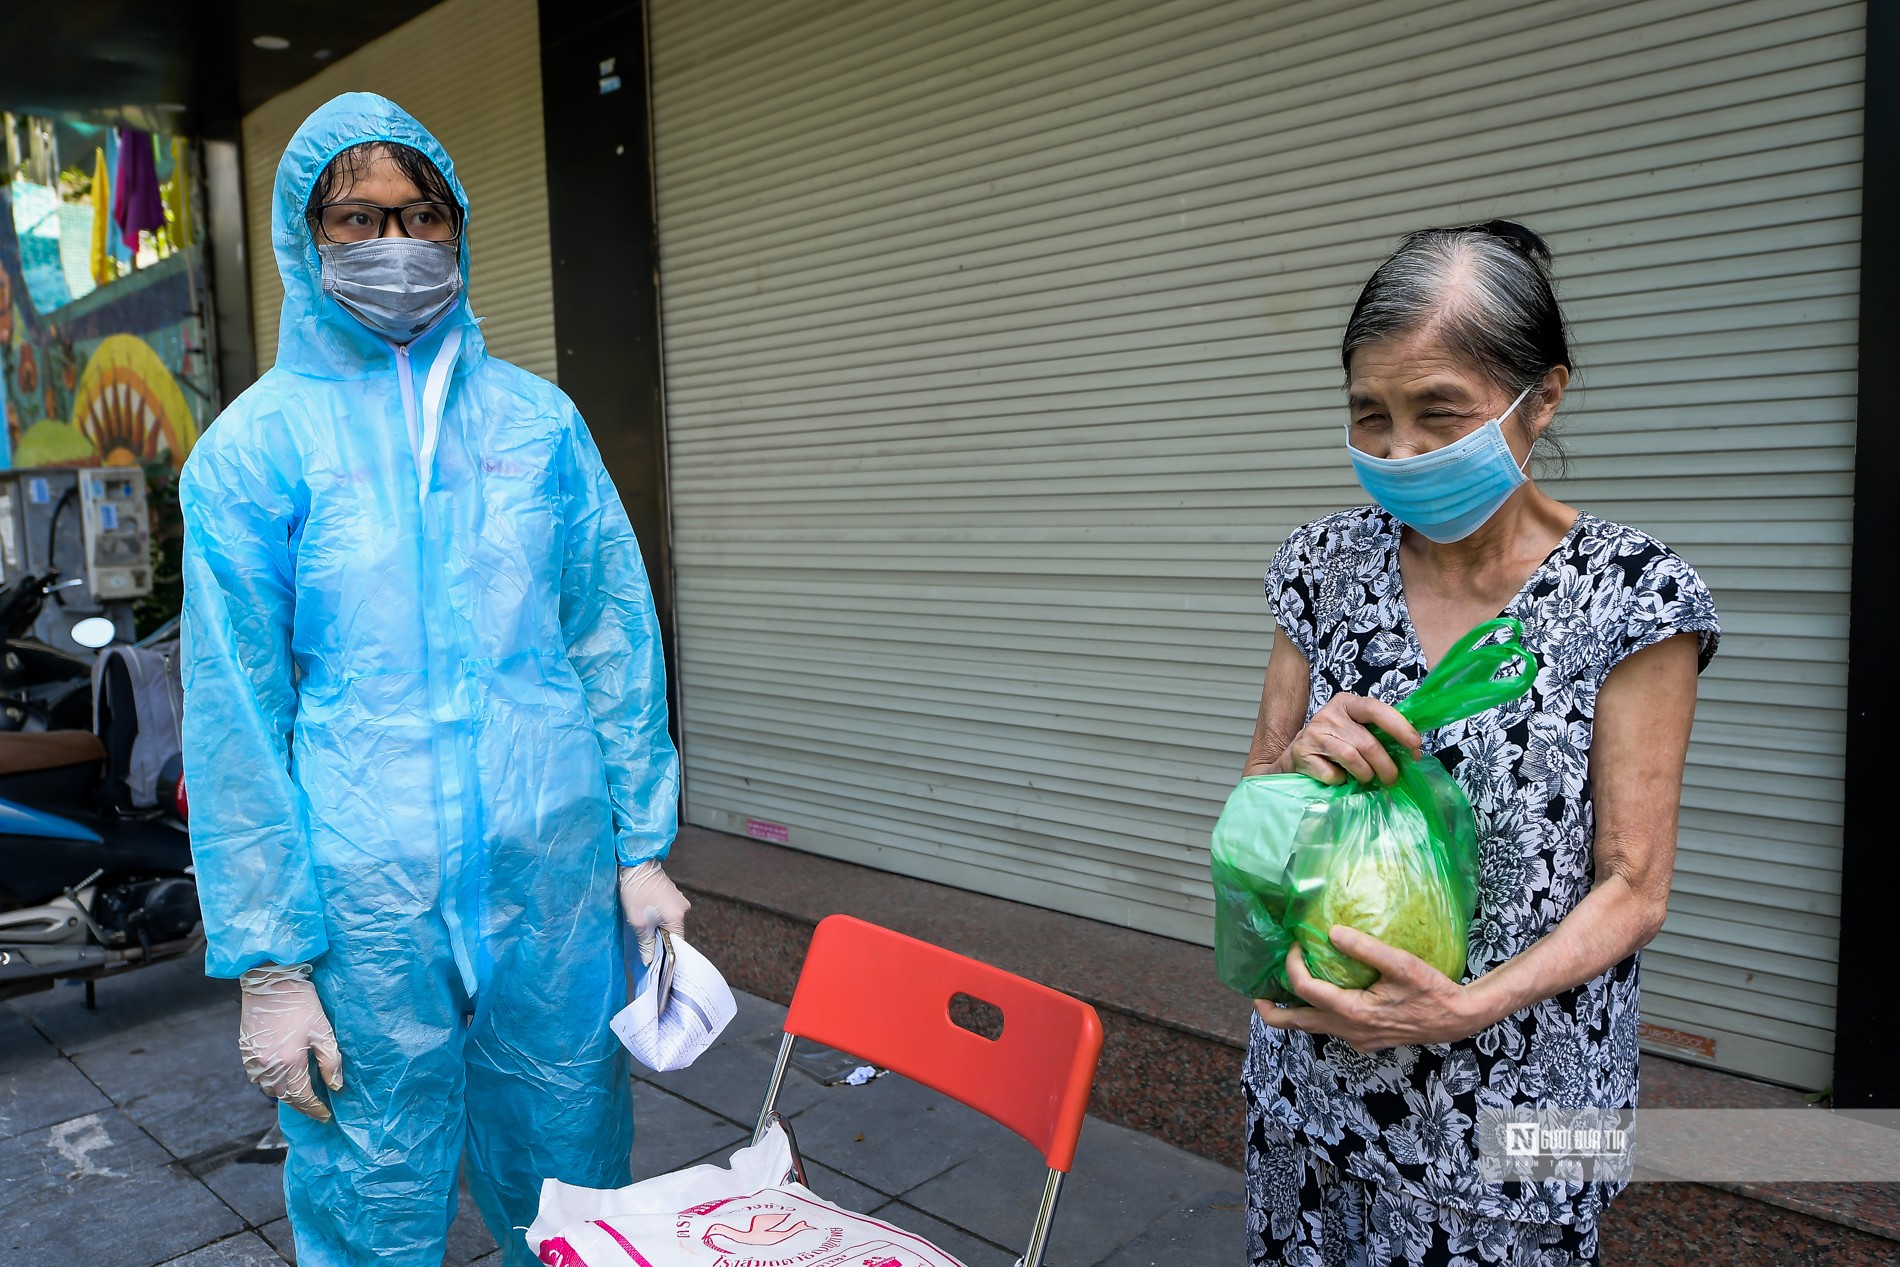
82	525
117	532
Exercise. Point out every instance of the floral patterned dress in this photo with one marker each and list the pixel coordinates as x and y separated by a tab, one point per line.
1402	1122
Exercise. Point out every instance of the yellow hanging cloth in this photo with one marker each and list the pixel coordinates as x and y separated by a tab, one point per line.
103	268
177	196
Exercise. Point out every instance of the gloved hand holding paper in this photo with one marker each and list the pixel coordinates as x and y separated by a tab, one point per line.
680	1005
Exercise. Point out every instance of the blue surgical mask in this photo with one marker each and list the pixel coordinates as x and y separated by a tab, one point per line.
1449	493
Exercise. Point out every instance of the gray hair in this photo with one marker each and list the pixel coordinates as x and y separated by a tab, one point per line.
1485	289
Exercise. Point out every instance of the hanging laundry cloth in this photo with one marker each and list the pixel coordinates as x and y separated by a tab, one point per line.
177	195
114	247
103	269
136	206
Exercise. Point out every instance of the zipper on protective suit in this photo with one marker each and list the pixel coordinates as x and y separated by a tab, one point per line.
451	708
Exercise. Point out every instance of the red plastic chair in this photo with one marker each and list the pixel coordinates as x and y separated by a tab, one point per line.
885	998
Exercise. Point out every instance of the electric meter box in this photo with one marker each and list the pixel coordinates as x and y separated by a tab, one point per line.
89	526
118	533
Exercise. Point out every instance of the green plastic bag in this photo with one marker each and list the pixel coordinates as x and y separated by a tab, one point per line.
1293	856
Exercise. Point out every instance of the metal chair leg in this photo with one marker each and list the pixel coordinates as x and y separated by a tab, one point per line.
775	1118
1045	1215
771	1091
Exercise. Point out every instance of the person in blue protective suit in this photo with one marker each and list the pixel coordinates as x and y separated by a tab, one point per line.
425	720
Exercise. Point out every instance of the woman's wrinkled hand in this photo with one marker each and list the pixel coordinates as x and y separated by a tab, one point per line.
1411	1002
1337	742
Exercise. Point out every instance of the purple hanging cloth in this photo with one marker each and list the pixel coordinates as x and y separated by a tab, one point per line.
136	204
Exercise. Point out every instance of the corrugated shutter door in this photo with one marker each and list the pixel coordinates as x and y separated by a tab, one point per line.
1001	353
470	70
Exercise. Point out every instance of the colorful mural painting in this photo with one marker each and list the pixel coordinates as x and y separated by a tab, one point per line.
121	376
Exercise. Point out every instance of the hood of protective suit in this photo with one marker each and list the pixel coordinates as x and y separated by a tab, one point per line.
315	334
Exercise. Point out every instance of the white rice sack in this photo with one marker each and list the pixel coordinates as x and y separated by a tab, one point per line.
748	1214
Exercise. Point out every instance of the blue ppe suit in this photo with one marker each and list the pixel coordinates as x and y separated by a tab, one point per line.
425	719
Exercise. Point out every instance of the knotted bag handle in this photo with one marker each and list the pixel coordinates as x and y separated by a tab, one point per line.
1475	675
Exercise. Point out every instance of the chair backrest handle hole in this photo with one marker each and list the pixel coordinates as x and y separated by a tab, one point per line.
980	1018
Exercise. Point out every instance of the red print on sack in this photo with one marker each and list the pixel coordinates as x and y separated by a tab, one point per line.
764	1231
556	1252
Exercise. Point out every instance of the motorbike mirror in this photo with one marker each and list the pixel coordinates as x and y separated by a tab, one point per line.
94	632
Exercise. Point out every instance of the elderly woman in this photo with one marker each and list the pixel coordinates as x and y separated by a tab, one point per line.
1363	1107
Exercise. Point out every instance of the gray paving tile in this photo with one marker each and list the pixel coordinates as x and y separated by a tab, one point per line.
38	1086
729	1078
893	1134
74	1153
1122	1183
669	1133
245	1250
20	1044
954	1241
183	1081
96	1190
254	1188
1210	1229
469	1238
842	1190
754	1011
278	1234
163	992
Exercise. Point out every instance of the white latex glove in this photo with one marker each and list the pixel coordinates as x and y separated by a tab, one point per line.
648	899
280	1028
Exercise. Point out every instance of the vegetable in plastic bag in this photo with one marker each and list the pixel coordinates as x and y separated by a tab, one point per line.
1293	856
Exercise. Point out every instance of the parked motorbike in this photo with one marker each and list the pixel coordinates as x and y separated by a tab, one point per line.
41	687
88	889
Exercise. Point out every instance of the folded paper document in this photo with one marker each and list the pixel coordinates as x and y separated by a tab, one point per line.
680	1005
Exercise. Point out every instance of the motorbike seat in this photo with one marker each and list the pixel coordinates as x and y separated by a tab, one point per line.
29	752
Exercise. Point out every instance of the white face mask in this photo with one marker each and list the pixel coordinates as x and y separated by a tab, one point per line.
395	286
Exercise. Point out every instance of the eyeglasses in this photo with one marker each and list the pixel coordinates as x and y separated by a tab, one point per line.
360	221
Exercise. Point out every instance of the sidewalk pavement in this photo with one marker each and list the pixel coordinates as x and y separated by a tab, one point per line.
128	1139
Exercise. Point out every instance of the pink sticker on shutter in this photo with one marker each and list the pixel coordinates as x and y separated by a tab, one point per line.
759	829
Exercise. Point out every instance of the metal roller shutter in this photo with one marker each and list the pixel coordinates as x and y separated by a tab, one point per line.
1000	354
470	70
